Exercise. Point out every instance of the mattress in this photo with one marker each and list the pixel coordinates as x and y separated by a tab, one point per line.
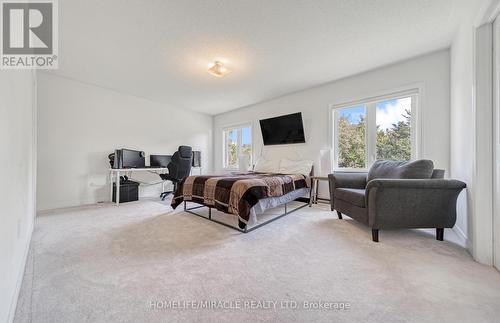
271	202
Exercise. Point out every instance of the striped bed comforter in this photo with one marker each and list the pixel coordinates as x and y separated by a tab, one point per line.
236	193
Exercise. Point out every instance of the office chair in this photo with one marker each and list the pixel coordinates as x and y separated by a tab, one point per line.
178	169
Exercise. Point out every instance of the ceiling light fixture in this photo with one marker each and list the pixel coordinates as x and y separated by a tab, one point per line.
218	69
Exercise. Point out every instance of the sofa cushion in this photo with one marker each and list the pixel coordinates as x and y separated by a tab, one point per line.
418	169
351	195
438	173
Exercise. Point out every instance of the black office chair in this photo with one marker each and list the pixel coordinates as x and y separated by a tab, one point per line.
179	168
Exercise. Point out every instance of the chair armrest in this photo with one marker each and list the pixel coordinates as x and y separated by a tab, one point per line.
412	203
347	180
416	183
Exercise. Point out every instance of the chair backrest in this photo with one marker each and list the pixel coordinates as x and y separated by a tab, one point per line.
419	169
180	166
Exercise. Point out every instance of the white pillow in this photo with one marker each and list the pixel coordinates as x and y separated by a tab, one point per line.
288	166
267	166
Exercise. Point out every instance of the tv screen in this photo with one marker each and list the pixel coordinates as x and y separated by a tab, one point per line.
287	129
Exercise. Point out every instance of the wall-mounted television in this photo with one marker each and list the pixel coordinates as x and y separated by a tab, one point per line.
282	130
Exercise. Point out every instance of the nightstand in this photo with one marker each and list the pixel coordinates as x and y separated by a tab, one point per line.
313	197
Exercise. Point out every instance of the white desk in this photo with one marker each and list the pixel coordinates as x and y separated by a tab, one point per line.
114	177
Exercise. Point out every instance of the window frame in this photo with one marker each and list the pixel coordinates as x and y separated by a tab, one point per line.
225	132
371	124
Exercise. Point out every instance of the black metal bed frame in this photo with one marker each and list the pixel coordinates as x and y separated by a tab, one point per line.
245	229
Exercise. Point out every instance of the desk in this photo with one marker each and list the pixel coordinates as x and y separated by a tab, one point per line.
114	177
313	199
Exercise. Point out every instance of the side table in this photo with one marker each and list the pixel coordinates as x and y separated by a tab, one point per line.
313	198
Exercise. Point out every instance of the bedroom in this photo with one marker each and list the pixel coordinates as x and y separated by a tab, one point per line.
411	81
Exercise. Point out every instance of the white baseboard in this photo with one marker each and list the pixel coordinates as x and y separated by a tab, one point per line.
20	275
86	202
463	237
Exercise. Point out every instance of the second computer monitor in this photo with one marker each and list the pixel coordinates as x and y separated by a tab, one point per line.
159	160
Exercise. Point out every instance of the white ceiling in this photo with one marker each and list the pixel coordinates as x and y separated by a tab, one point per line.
160	50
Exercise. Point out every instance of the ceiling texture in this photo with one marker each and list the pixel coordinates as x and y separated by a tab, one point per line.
160	50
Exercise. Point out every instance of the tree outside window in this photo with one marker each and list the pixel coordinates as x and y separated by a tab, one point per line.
374	130
237	147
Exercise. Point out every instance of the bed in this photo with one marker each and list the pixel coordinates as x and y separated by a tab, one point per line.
244	195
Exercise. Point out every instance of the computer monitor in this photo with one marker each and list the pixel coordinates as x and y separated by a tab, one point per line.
196	158
160	160
133	158
128	158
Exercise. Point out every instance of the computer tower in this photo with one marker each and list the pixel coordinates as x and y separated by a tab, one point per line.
129	191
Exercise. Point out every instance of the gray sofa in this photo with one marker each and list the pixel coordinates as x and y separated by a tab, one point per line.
397	195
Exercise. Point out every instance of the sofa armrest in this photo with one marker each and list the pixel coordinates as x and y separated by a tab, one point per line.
347	180
412	203
416	183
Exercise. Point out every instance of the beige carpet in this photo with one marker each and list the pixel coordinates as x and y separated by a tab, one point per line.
115	264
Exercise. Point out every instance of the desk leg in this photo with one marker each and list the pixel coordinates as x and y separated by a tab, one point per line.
316	192
117	188
311	193
111	181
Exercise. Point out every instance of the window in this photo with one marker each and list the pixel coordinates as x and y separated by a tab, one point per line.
237	147
351	127
381	128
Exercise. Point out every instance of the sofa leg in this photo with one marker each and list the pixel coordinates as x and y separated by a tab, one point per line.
340	215
375	235
439	234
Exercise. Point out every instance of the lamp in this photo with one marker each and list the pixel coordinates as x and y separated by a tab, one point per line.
218	69
325	161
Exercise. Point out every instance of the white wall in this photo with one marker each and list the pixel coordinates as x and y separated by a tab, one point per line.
471	131
80	124
17	171
496	145
462	118
431	72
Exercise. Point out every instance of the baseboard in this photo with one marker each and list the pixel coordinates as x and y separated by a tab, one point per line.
88	202
19	283
461	235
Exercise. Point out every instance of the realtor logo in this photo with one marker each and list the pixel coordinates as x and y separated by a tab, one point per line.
29	34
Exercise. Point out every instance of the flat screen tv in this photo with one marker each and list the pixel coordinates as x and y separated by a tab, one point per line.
282	130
